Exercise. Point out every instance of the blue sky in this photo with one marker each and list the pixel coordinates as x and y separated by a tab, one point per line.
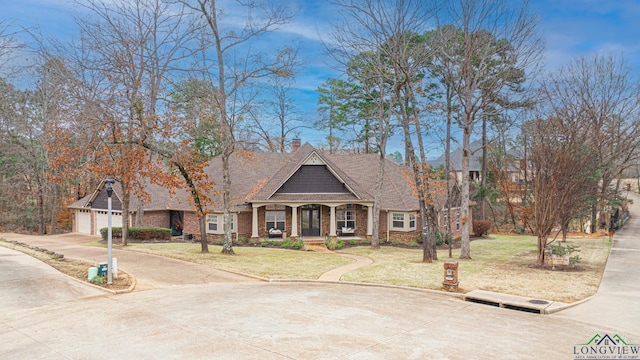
570	28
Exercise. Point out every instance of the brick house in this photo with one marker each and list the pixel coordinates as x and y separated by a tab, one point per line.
303	194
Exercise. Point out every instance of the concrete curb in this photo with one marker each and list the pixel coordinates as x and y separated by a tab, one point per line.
567	306
333	282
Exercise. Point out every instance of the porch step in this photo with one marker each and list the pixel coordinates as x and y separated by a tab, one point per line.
315	245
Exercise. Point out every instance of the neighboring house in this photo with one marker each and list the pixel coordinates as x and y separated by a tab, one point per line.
475	163
303	194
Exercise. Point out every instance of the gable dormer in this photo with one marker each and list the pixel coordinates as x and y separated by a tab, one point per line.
313	179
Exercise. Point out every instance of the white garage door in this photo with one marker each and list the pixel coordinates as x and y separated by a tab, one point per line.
83	221
102	220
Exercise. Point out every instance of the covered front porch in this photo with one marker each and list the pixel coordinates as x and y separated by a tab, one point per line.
312	220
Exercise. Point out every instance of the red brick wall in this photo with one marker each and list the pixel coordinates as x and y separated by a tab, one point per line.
154	218
191	225
244	223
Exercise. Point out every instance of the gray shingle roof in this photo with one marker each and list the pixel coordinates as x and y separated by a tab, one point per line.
257	177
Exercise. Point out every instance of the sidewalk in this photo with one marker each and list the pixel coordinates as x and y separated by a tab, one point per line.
337	273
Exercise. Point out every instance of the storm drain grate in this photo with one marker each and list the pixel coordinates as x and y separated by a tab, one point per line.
483	302
510	306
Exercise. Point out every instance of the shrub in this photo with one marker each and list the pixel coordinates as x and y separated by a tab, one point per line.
143	233
567	250
334	244
560	250
285	244
116	232
481	227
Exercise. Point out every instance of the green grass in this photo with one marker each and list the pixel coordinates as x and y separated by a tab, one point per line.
263	262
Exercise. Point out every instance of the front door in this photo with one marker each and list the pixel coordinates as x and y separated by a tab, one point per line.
310	220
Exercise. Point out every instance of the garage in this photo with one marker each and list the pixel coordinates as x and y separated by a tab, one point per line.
102	220
83	221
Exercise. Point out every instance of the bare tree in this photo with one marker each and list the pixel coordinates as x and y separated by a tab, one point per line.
600	91
134	46
279	118
233	73
557	160
357	43
488	38
411	57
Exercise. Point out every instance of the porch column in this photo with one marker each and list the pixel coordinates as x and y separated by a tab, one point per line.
254	222
369	220
332	220
294	221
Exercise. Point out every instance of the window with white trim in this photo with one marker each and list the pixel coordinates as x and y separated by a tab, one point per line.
397	221
401	221
212	223
346	218
275	219
215	221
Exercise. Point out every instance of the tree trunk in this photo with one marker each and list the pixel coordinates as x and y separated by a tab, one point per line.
483	179
42	227
447	172
427	249
140	214
204	245
594	216
542	243
465	246
126	197
227	246
375	236
54	210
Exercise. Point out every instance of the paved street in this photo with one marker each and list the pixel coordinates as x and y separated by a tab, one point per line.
189	311
28	283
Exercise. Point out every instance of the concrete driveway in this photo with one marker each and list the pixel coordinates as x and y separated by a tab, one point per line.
150	271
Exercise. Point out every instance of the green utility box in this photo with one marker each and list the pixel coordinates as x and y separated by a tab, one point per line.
102	268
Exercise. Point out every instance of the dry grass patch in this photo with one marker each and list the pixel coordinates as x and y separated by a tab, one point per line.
263	262
500	263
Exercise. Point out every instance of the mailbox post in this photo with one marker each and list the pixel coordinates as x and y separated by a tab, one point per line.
450	282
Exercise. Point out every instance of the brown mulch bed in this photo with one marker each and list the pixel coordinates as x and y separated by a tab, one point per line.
78	269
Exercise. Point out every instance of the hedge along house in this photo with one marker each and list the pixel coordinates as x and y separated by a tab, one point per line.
306	194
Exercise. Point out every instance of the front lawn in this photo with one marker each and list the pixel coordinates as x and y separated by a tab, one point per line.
500	263
263	262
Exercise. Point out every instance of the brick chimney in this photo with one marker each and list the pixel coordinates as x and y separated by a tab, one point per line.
295	145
